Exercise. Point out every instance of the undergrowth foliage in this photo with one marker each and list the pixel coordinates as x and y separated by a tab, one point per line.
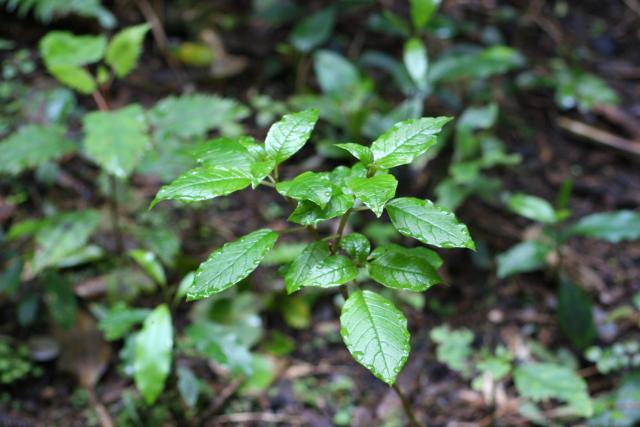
373	329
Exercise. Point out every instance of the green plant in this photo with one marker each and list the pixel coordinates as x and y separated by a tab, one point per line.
15	363
373	329
546	250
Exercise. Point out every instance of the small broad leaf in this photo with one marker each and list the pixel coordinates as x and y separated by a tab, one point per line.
232	263
153	353
335	74
62	48
402	268
357	246
203	183
524	257
312	186
541	381
610	226
226	152
360	152
188	386
299	268
331	271
415	61
119	321
309	213
313	30
116	140
32	146
428	223
474	63
125	48
62	236
454	347
75	77
405	141
150	264
189	116
375	191
575	314
289	134
533	208
375	332
422	11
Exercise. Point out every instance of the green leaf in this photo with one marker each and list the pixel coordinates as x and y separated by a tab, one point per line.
221	344
405	141
428	223
454	347
75	77
153	348
309	213
533	208
188	386
32	146
117	322
289	134
150	264
335	74
415	61
189	116
334	270
61	237
61	300
203	183
541	381
360	152
422	11
312	186
357	246
232	263
125	48
375	332
62	48
474	63
375	191
300	267
313	30
116	140
402	268
575	314
610	226
524	257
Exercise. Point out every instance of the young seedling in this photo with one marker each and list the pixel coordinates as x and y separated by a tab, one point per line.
373	329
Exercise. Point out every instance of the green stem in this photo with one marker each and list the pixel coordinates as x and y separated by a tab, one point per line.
406	405
343	224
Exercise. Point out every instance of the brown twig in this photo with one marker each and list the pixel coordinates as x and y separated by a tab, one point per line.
600	136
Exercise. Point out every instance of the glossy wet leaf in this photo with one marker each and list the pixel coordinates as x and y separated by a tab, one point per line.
204	183
125	49
543	381
150	264
375	332
613	227
398	267
357	246
153	353
32	146
533	208
405	141
360	152
289	134
336	75
312	186
116	140
428	223
524	257
374	191
331	271
309	213
300	267
231	263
